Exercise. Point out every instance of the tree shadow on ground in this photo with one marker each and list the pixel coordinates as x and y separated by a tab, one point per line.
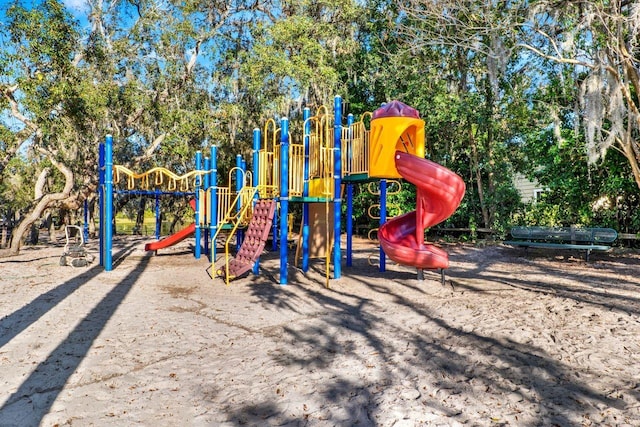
438	358
37	393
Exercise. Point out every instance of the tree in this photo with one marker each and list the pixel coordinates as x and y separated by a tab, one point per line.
476	103
294	61
143	71
598	41
41	96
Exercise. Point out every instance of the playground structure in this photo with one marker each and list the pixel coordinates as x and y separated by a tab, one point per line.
314	170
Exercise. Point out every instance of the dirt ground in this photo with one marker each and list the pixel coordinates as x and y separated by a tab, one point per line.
513	338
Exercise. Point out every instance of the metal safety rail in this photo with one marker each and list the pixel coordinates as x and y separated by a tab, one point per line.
226	197
269	161
237	218
355	144
228	200
319	135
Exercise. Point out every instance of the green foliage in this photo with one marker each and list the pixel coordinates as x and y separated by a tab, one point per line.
296	56
576	192
362	201
167	82
16	192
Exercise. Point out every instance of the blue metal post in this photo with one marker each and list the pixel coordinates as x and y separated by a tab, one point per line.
205	220
305	206
337	180
284	198
85	227
383	219
349	225
158	214
198	235
256	178
274	228
257	136
213	181
243	166
108	202
274	231
349	148
101	200
239	185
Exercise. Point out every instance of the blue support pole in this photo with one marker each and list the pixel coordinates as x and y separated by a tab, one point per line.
198	234
305	192
337	180
255	154
108	202
205	220
274	228
206	177
158	215
239	185
383	219
243	166
350	120
85	227
284	198
349	224
256	178
239	180
101	218
213	181
274	231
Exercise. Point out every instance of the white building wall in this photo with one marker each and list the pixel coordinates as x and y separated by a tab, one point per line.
528	189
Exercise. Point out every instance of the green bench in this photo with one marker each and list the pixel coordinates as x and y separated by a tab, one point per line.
576	238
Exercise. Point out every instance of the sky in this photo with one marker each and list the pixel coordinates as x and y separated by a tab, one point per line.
75	6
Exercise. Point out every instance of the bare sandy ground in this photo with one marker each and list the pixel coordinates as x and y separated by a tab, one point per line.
512	339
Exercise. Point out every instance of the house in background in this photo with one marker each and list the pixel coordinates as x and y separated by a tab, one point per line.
529	190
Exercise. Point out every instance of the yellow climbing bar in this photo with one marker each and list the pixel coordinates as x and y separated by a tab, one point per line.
161	178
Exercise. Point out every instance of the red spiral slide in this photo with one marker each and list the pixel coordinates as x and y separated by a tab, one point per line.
439	193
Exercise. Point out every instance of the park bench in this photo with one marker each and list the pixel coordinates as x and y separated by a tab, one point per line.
576	238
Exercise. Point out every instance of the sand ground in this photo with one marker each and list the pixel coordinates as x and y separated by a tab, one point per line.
513	338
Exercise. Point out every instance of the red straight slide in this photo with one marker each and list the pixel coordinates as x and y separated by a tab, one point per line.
174	238
171	240
439	193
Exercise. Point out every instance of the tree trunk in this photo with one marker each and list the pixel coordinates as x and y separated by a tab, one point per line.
92	209
475	164
174	222
53	232
139	227
3	235
632	156
43	203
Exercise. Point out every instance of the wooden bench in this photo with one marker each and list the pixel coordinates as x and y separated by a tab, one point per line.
577	238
